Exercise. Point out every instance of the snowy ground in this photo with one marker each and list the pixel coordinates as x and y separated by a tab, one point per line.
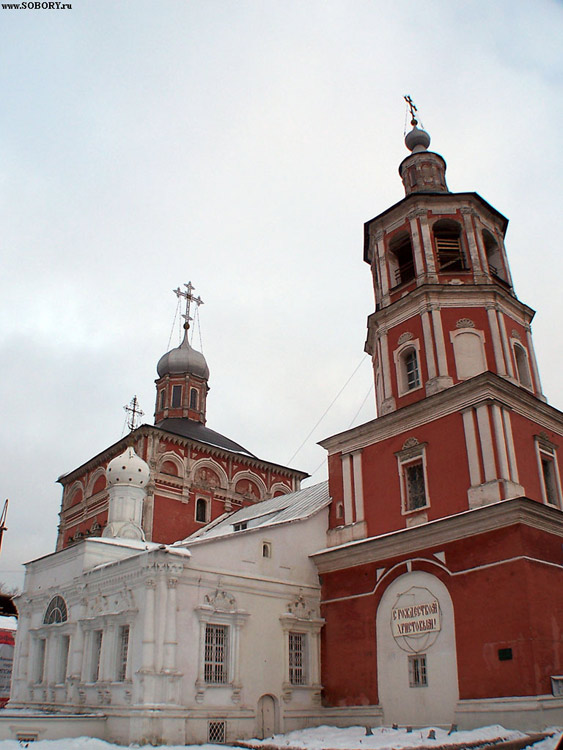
319	738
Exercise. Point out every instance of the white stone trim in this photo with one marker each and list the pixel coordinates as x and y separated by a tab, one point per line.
428	345
505	345
440	343
496	340
215	466
347	488
468	332
358	486
486	438
548	450
471	445
172	458
510	446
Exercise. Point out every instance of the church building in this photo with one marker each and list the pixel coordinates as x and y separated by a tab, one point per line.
197	593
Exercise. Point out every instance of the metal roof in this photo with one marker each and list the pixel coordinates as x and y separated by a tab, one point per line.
283	509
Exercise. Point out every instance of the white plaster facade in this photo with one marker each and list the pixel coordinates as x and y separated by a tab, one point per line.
243	585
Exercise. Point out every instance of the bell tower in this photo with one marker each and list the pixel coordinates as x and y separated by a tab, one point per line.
445	307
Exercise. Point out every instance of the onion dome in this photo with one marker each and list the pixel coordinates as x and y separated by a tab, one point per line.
128	469
183	360
417	140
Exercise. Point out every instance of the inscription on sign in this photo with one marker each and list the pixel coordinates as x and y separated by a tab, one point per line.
416	619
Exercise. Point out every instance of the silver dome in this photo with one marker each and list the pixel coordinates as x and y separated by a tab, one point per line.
182	360
417	140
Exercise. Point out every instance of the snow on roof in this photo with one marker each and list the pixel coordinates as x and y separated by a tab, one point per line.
294	506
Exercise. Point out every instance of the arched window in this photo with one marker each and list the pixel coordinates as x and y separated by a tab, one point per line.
201	507
449	250
266	549
339	511
494	257
193	398
522	365
401	259
56	612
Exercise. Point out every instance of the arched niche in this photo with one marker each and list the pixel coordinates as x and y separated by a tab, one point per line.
469	352
425	657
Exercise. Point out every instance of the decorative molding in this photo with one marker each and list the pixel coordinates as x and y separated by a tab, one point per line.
220	601
406	336
465	323
410	442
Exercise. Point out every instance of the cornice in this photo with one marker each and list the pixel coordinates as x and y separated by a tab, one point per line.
443	531
448	296
456	398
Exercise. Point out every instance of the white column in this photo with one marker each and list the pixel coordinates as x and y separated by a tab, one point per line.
381	260
358	485
440	345
428	345
533	360
107	656
471	445
500	442
417	249
471	243
505	344
387	390
148	629
510	446
170	639
497	343
487	450
428	248
347	488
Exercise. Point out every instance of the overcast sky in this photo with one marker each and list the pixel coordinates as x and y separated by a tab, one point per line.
241	144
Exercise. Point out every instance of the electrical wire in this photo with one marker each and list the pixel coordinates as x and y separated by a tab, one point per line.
329	407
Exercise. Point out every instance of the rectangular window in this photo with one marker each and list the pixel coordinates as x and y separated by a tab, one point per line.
176	396
96	653
123	651
417	671
297	656
549	479
63	659
415	488
40	660
216	652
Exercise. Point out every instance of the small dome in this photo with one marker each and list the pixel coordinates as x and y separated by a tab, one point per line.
183	359
129	469
417	140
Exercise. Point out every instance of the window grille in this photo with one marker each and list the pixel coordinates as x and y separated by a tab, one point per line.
411	370
96	652
123	653
417	671
415	485
216	652
297	674
217	732
56	612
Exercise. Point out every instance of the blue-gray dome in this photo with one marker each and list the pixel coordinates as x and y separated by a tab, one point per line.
183	360
417	140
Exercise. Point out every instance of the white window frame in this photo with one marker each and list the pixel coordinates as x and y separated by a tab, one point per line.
63	655
548	451
300	620
399	356
409	456
220	609
468	332
39	660
217	639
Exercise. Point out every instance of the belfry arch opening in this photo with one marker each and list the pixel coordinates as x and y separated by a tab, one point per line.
401	259
449	246
494	256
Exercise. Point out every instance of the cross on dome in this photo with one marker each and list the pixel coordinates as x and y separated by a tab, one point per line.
189	297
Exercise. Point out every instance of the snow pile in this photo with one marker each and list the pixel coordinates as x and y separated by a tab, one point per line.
320	738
